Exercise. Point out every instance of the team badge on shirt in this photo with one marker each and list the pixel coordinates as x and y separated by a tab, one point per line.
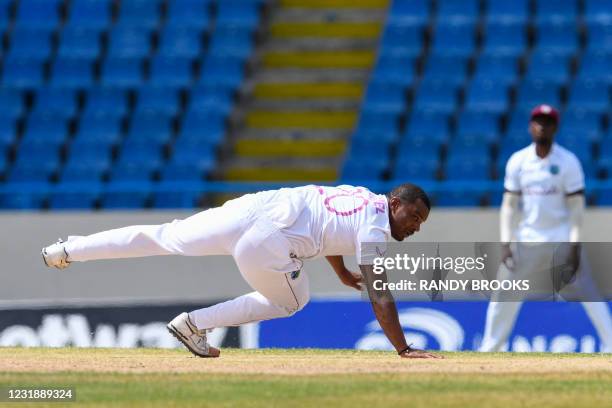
554	169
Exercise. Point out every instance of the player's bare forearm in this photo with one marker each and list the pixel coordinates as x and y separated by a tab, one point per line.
337	263
347	277
384	308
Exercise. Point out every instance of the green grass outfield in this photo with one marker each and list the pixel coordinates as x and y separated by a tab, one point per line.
309	378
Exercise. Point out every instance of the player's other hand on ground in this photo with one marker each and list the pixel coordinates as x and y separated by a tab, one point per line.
416	353
351	279
507	257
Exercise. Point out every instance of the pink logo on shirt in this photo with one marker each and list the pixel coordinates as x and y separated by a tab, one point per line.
358	193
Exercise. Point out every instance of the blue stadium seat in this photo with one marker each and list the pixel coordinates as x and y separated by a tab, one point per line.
129	42
468	149
589	95
419	146
605	150
581	147
40	14
548	67
189	13
90	14
454	39
458	10
5	6
483	125
599	37
121	196
97	131
79	43
23	201
207	99
595	66
106	101
557	38
183	199
489	96
364	148
394	70
237	13
436	96
409	13
228	72
46	127
458	199
502	69
505	39
358	170
448	69
586	124
231	42
30	43
157	99
11	101
58	102
197	152
598	11
205	125
179	170
402	40
7	133
150	128
139	13
556	10
166	71
381	123
82	166
180	42
73	200
458	167
142	158
429	124
518	124
72	73
21	73
503	11
35	166
416	168
533	93
126	171
604	198
122	72
384	97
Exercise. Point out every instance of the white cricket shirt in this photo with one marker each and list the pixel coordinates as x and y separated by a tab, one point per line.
321	221
544	184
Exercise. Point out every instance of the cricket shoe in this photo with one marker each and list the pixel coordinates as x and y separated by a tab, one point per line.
55	255
187	333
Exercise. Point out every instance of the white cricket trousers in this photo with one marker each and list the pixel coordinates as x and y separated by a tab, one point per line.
501	316
261	251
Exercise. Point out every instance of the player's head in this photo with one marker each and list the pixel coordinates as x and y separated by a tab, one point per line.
543	124
408	208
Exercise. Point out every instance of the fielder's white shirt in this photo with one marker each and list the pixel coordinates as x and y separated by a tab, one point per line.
544	184
321	221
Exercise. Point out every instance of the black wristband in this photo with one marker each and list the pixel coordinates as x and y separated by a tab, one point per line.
408	348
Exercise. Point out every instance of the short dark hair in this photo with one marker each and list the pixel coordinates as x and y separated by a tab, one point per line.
410	193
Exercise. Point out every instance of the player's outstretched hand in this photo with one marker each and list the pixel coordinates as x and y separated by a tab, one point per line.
507	257
351	279
416	353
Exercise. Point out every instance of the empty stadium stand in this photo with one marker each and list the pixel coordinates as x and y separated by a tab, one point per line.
114	104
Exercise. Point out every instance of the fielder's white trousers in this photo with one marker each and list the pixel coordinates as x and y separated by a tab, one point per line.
501	316
261	251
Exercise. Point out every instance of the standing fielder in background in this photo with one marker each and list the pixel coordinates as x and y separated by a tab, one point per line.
269	234
550	182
